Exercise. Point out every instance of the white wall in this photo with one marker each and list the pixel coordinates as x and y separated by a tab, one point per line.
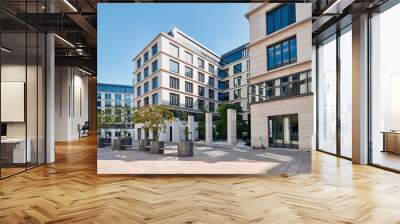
71	103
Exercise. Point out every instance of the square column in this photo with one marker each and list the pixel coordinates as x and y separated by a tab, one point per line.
209	132
231	130
191	126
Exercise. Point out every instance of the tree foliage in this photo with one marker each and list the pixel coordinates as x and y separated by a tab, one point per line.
154	117
221	123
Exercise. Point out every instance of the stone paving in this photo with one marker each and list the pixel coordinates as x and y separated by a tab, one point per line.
217	158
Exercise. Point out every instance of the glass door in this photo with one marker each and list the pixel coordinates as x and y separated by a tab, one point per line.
283	131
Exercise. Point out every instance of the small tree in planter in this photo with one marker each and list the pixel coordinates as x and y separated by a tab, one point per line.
142	115
160	116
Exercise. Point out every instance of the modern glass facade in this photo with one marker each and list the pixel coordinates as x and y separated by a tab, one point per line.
281	17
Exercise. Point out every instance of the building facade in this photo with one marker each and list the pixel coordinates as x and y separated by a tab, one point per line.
115	102
176	70
280	92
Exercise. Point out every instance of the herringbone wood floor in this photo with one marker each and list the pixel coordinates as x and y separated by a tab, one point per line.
70	191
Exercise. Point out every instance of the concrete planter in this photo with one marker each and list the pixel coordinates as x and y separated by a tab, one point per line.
157	147
116	144
185	149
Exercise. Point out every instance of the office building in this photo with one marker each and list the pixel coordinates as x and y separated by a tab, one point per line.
280	91
176	70
114	100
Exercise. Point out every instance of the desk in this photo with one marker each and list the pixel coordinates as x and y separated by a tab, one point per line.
391	141
13	150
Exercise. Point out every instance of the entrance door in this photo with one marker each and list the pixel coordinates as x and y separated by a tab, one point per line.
283	131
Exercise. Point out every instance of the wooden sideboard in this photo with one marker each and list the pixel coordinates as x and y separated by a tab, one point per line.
391	141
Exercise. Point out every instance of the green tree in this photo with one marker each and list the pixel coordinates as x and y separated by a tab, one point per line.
221	123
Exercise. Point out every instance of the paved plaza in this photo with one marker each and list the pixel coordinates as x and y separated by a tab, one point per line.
217	158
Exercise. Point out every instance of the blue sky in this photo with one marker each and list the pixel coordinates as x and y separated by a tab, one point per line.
124	29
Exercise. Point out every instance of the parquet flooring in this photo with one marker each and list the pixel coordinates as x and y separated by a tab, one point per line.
70	191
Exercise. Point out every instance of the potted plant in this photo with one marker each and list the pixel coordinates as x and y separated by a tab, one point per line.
142	115
160	116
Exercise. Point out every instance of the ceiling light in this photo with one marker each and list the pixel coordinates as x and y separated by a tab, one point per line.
70	5
5	50
65	41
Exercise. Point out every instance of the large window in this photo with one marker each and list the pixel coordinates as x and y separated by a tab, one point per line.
139	77
200	104
146	57
201	90
188	57
327	95
237	68
188	72
188	102
154	49
154	99
237	94
281	17
293	85
200	63
146	87
146	72
282	53
211	93
200	77
154	66
173	66
188	87
283	131
174	99
173	83
210	81
211	68
174	50
154	83
385	89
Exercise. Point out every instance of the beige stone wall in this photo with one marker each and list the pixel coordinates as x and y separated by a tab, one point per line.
303	106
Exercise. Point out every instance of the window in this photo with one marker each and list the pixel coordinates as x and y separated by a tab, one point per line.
280	17
146	72
154	49
282	53
236	55
200	104
211	106
154	99
188	57
127	97
146	101
154	66
200	77
223	96
98	103
174	99
283	131
173	83
139	90
211	93
118	97
291	85
154	83
99	96
138	63
237	68
146	87
223	73
248	65
237	81
237	94
127	103
108	96
223	84
201	90
188	102
107	103
174	50
188	87
146	57
211	68
188	72
139	77
173	66
200	63
211	81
